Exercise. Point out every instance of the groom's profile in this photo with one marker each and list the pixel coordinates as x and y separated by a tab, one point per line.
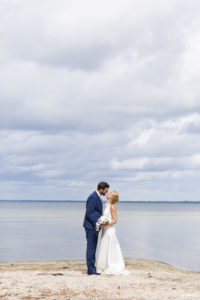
94	210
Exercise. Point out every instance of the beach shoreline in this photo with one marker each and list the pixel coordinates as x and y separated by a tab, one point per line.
69	280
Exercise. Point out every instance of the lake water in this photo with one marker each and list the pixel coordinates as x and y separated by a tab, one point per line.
52	230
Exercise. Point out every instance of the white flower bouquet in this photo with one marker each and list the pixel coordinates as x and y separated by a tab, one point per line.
102	220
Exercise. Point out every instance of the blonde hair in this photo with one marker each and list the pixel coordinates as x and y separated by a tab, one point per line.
115	195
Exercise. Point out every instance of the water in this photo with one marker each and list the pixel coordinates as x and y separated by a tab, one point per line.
50	230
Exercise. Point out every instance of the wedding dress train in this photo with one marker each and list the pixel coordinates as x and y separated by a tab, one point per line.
110	259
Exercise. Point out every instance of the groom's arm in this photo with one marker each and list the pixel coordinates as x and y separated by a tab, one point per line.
91	213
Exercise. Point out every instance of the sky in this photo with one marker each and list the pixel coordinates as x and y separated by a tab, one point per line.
100	90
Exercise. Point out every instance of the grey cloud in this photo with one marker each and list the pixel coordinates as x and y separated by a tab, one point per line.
77	37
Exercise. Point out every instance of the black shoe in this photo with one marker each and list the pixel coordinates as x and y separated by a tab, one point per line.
94	273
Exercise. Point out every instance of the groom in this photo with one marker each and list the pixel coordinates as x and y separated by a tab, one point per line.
94	210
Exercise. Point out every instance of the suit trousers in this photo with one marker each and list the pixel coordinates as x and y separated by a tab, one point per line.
92	239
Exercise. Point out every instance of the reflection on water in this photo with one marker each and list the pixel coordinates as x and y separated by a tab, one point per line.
167	232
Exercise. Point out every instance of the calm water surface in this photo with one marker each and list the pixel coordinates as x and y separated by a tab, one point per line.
50	230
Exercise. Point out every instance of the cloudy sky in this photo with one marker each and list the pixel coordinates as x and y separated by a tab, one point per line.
100	90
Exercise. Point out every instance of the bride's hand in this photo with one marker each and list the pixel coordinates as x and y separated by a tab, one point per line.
103	225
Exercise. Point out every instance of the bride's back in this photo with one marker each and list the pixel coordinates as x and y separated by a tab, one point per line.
107	213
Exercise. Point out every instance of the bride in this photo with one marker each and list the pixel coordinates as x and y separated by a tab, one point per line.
110	259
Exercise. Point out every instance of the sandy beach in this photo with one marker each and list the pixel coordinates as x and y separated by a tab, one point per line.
66	280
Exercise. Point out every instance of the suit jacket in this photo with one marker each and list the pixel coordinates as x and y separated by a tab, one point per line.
94	210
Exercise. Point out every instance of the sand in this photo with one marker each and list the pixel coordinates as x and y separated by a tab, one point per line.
69	280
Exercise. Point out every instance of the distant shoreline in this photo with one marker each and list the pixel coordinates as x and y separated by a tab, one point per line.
83	201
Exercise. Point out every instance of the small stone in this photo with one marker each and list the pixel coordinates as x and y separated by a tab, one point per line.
56	274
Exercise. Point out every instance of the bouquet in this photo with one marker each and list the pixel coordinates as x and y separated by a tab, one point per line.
101	220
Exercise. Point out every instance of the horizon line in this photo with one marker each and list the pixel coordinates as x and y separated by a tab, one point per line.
127	201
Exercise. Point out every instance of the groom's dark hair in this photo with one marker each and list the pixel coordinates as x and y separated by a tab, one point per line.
102	185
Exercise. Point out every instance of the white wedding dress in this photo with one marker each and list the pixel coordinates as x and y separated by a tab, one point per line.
110	259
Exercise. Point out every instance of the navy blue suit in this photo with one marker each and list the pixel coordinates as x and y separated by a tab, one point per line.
94	210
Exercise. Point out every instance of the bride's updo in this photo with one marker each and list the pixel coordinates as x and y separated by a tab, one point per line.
115	197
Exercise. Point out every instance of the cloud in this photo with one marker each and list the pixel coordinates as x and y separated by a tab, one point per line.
79	35
157	163
95	91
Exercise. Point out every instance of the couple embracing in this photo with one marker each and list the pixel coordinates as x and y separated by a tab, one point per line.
110	259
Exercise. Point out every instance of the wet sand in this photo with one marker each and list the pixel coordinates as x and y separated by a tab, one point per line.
67	280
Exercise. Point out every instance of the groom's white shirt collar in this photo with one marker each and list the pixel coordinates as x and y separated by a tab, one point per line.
98	194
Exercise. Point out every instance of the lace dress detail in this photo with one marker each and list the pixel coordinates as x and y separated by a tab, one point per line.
110	259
